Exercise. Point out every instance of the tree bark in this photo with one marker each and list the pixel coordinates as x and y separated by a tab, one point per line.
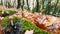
19	4
23	5
37	6
1	2
42	4
27	5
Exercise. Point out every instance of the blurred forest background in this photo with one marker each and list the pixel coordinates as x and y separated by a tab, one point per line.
45	7
50	7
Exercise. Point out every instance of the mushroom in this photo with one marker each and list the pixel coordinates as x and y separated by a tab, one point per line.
11	19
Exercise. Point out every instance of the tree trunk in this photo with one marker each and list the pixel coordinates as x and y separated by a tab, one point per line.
49	7
23	5
37	6
42	4
1	2
19	4
27	5
33	3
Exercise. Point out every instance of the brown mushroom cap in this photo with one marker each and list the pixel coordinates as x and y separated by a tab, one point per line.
10	17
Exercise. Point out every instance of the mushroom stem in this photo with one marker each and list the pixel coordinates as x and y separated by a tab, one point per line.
12	22
11	19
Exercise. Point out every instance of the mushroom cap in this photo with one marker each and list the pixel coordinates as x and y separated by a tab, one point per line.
11	17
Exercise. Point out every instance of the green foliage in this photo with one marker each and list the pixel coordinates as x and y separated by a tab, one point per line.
27	25
52	9
11	11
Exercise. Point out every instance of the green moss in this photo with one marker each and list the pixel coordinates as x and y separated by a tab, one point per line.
0	11
27	25
5	21
16	19
11	11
